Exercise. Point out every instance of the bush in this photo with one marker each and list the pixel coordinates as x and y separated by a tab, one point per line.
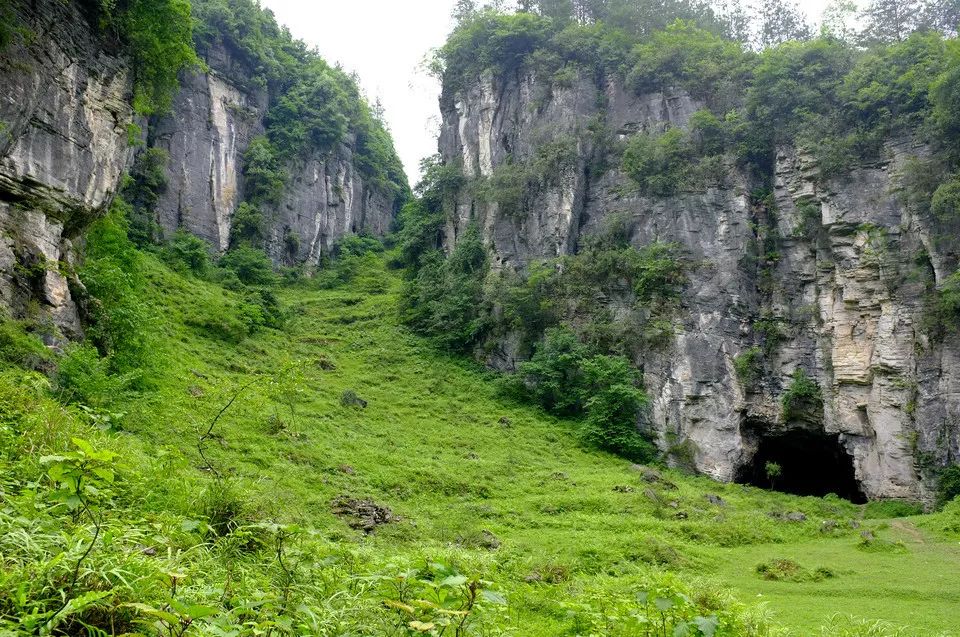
948	484
188	253
142	190
947	307
945	203
803	399
159	37
566	378
84	377
112	275
553	377
445	300
247	226
685	56
312	114
20	348
613	407
252	266
748	365
657	163
264	179
356	245
265	309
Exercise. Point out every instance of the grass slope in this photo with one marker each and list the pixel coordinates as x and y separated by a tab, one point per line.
500	491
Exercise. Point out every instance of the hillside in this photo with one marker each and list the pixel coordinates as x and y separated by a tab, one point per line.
260	531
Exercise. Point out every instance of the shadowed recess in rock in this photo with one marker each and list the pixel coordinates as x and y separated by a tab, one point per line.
804	463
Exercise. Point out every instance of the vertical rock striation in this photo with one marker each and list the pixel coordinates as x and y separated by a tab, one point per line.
847	287
64	117
214	118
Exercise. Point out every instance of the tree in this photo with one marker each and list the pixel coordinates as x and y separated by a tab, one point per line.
464	10
780	21
887	21
773	471
838	20
736	20
942	16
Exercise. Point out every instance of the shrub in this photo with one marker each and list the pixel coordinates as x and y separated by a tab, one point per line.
188	253
158	35
263	308
803	399
566	378
247	225
947	306
945	203
554	375
613	407
264	179
685	56
420	221
312	114
252	266
20	348
445	300
709	133
948	484
657	163
490	41
748	365
356	245
945	96
142	190
83	376
112	275
786	570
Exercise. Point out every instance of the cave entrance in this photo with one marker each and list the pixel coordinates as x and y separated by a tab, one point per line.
810	463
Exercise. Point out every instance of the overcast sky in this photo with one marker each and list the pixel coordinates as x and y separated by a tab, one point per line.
386	42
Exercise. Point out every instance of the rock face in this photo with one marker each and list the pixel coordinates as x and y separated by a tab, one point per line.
64	113
848	287
65	128
212	122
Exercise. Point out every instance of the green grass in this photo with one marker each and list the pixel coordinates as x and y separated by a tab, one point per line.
498	490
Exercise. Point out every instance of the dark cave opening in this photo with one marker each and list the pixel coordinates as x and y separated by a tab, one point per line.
810	463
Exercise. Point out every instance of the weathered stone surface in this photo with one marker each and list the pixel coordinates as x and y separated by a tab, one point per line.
845	287
211	125
207	133
63	147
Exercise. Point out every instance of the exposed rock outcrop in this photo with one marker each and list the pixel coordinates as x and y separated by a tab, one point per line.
64	117
213	120
65	130
848	286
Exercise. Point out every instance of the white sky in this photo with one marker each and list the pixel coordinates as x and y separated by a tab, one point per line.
386	42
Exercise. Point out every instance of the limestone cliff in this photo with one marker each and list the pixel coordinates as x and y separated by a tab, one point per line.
213	119
847	286
66	127
64	116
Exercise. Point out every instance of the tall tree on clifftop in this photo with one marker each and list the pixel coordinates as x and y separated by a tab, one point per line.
889	21
942	16
780	21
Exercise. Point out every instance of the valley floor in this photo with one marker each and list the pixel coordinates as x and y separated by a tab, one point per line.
347	407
